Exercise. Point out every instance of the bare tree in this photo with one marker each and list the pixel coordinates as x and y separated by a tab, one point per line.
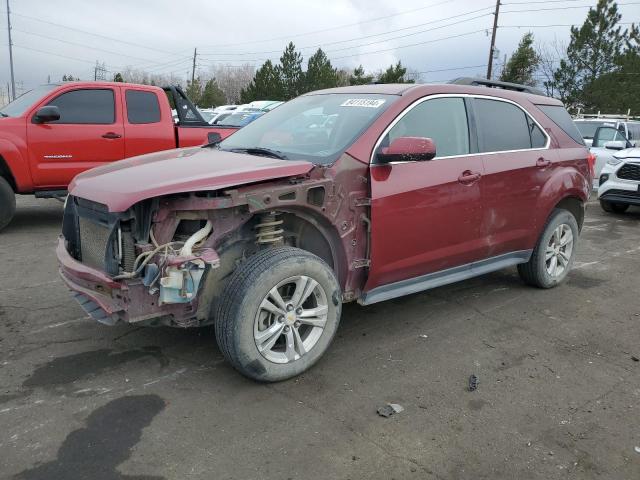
550	55
232	79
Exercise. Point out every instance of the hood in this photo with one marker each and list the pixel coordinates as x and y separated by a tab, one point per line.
628	154
121	184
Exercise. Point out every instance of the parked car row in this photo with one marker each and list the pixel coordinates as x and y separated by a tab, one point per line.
238	115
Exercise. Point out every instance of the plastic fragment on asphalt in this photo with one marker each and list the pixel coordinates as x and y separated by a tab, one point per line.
473	383
635	359
637	449
390	409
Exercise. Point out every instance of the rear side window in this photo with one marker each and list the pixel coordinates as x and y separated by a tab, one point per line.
634	131
444	120
89	106
142	107
501	126
561	117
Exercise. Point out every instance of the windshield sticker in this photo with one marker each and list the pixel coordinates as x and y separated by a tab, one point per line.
362	102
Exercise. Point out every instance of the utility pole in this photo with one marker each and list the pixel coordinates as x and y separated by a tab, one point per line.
13	82
493	39
193	70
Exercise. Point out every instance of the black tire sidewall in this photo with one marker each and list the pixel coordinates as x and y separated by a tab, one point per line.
249	360
7	203
558	218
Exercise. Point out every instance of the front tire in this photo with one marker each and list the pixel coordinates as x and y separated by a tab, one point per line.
553	256
278	314
7	203
614	207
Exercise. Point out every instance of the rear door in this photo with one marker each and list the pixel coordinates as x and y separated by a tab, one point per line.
426	214
517	164
89	133
147	127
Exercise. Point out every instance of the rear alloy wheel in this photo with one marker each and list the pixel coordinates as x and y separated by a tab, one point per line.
614	207
553	255
7	203
278	313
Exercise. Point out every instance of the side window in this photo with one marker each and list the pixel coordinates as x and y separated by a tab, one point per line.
89	106
142	107
444	120
501	126
538	138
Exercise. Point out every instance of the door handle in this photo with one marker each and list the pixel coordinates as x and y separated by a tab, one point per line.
543	162
468	177
111	135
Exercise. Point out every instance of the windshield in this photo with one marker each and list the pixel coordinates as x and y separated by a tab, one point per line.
588	129
317	128
24	101
238	119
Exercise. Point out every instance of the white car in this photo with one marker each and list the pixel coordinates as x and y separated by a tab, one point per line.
619	181
606	143
629	127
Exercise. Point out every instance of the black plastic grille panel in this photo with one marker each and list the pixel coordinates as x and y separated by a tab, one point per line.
630	171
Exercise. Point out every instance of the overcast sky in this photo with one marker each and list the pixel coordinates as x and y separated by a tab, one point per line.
57	37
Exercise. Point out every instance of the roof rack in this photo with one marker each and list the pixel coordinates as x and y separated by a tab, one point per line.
496	84
608	116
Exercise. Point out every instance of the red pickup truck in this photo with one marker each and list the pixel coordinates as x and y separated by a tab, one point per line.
55	131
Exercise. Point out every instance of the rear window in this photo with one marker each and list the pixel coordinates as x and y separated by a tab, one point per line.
561	117
142	107
501	126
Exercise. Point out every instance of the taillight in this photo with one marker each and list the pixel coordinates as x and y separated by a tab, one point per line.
592	164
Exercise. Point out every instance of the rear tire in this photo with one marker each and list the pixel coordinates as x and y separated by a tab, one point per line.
7	203
553	256
278	313
614	207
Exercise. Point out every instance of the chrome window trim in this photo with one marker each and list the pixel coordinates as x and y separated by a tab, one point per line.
457	95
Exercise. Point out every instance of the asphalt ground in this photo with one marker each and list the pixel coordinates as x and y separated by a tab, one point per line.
558	393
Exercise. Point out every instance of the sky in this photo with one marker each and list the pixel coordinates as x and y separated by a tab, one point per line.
442	39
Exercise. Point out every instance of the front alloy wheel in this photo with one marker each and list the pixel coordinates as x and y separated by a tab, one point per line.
278	313
291	319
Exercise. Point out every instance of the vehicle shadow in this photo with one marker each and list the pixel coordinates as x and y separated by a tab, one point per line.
41	215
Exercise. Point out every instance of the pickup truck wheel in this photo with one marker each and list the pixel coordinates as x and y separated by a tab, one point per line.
278	313
7	203
552	258
614	207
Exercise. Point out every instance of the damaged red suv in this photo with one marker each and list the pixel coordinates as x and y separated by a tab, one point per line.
361	194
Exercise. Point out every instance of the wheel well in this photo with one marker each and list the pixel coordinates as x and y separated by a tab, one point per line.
6	173
575	206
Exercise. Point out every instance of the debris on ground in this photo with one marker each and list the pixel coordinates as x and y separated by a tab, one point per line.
473	382
390	409
635	359
424	336
637	449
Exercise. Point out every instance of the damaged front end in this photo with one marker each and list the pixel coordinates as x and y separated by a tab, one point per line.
119	272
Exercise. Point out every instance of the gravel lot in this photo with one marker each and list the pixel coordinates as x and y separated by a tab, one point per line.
559	391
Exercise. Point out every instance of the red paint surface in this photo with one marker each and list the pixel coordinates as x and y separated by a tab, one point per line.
24	144
120	185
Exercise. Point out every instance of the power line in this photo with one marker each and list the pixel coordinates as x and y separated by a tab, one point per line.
411	45
94	34
372	35
563	8
339	27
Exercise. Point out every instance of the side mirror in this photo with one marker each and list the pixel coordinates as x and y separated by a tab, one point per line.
615	145
408	149
50	113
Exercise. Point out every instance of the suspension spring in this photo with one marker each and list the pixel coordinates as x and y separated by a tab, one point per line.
269	230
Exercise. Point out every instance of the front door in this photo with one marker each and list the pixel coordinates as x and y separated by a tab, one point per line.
89	133
426	215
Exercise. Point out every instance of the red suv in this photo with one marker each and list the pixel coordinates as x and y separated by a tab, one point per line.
360	193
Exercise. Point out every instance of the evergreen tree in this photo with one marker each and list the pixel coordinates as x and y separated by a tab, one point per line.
359	77
522	64
118	77
592	51
320	74
394	74
212	95
194	90
291	72
266	85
